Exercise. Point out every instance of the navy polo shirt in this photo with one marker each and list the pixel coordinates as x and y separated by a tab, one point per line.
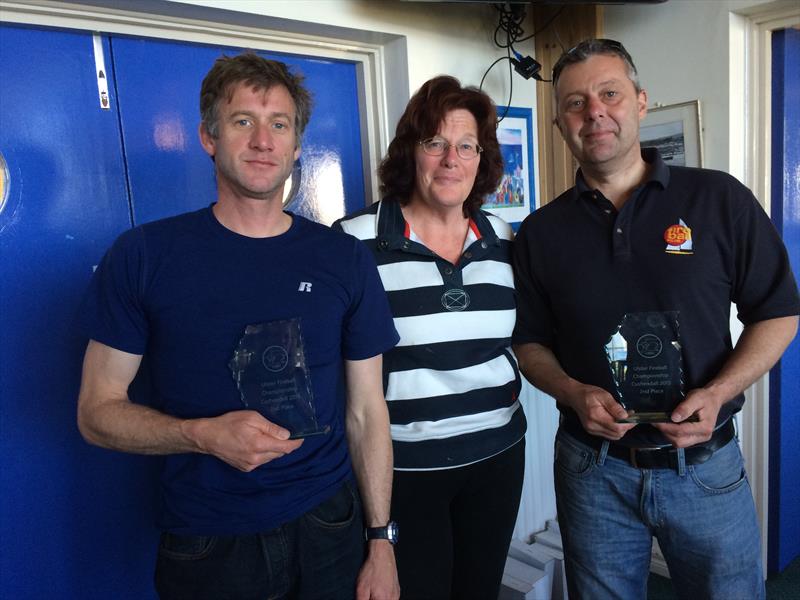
687	240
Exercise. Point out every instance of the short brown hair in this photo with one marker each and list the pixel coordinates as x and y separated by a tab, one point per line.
261	74
421	120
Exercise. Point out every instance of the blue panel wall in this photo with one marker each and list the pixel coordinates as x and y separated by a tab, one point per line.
784	488
67	202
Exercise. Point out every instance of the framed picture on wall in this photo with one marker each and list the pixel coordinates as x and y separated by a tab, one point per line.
676	130
515	197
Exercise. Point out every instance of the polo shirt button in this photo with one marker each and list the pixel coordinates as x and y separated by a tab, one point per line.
383	244
484	245
608	211
448	271
619	230
405	245
467	254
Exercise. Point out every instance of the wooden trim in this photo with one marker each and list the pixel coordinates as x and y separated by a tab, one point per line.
573	24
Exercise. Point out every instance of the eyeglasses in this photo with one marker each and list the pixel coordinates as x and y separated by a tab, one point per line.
438	147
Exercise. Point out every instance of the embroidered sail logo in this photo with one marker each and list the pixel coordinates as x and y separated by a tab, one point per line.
679	238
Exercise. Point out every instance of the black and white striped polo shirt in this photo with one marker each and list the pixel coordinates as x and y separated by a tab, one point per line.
452	382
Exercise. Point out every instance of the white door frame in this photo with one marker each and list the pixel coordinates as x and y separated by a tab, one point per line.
750	160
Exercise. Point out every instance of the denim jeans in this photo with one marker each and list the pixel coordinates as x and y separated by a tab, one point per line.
316	556
703	517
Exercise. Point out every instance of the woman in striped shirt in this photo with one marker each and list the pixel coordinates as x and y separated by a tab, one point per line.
452	382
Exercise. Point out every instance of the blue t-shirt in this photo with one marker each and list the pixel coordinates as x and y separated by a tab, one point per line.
181	291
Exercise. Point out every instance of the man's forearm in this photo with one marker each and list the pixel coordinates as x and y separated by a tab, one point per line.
598	411
106	417
758	349
128	427
370	444
369	438
541	368
760	346
371	453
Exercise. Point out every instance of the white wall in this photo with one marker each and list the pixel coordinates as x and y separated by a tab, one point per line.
453	39
682	51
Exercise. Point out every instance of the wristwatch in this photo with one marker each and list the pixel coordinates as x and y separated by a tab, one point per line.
390	532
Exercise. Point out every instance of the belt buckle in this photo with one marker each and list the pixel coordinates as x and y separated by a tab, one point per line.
632	454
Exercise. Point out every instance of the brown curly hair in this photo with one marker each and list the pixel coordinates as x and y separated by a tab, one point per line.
421	120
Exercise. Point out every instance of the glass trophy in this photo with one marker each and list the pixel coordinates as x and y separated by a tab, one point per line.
270	371
644	355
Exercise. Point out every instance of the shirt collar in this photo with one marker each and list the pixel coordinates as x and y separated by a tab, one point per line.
392	225
658	174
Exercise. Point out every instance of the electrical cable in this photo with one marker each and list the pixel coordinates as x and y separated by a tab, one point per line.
510	77
509	21
510	88
480	87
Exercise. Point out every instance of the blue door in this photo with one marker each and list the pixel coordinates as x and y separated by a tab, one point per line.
77	521
784	412
66	202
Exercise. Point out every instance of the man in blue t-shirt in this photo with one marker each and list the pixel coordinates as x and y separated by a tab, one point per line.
253	506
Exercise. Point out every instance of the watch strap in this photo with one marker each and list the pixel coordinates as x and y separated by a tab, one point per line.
388	532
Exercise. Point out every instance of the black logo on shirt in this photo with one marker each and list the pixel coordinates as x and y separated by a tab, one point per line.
455	300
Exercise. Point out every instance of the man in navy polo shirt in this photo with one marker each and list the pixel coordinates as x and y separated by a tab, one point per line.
637	236
247	511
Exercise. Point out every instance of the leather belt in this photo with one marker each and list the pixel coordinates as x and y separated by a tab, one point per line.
665	457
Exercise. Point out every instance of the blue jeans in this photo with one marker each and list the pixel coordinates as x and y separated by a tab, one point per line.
316	556
702	515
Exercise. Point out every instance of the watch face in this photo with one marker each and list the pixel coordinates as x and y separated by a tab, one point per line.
392	532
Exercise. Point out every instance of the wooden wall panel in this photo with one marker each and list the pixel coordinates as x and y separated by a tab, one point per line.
573	24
